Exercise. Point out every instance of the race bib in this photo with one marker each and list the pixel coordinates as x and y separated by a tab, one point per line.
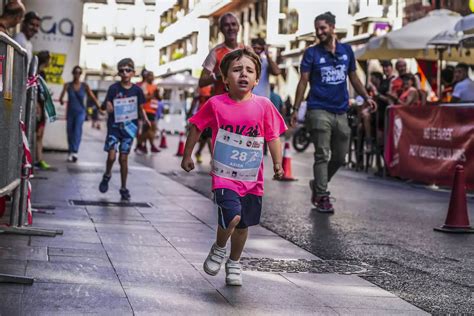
126	109
237	157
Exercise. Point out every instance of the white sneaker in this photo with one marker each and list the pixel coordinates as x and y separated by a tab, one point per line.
74	157
233	270
214	260
70	158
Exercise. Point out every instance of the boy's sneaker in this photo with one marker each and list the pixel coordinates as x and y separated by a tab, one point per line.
70	158
125	194
43	165
104	184
214	260
74	157
323	204
233	272
198	158
141	150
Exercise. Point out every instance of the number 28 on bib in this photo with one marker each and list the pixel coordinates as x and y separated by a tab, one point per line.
236	156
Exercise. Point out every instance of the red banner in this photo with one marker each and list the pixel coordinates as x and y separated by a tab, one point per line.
426	143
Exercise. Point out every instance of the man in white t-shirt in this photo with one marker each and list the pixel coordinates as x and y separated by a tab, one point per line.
464	88
269	67
29	28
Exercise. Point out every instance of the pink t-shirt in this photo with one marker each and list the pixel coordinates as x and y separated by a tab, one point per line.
256	117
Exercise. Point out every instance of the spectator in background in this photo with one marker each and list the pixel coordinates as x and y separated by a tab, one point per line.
150	90
12	15
447	80
276	99
211	74
29	28
229	27
396	86
76	110
43	62
464	88
269	67
389	76
366	116
410	94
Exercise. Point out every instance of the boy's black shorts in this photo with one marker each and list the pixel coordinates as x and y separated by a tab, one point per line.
230	204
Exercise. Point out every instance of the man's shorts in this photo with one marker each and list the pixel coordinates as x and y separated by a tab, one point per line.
206	134
152	118
230	204
118	138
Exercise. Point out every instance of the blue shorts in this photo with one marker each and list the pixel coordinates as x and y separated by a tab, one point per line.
230	204
118	138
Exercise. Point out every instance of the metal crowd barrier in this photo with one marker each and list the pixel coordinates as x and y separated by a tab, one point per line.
16	103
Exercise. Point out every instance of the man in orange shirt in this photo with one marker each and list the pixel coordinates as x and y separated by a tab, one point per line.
150	90
229	26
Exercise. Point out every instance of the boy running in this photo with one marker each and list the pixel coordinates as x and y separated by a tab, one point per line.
124	103
240	122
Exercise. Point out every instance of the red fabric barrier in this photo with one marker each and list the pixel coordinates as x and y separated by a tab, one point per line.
426	143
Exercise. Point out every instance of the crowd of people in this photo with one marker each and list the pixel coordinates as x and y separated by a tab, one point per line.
237	114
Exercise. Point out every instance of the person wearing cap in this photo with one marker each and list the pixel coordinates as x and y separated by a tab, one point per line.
29	28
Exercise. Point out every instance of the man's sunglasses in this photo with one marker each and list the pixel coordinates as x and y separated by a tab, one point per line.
125	70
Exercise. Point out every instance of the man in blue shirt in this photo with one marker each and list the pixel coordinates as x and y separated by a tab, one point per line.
327	66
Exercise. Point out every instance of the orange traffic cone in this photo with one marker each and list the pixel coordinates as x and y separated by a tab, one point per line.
286	164
163	143
3	205
457	220
180	152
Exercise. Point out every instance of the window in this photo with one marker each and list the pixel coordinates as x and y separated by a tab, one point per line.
149	2
125	1
93	57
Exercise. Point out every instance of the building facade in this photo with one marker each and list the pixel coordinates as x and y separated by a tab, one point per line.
115	29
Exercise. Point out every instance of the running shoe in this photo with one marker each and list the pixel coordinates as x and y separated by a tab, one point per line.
141	150
43	165
154	149
214	260
104	184
74	158
233	273
198	158
323	204
125	194
70	158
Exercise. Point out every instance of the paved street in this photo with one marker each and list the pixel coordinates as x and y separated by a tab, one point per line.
146	259
384	226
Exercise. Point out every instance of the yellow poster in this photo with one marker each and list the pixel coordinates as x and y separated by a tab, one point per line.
54	72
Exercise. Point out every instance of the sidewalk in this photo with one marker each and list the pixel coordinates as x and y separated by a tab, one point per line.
147	259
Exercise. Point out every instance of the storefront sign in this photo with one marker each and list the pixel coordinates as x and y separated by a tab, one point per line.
426	143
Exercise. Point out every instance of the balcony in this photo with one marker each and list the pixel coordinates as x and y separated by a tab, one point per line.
146	33
95	32
124	33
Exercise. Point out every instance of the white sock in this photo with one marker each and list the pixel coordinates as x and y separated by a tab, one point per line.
217	246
